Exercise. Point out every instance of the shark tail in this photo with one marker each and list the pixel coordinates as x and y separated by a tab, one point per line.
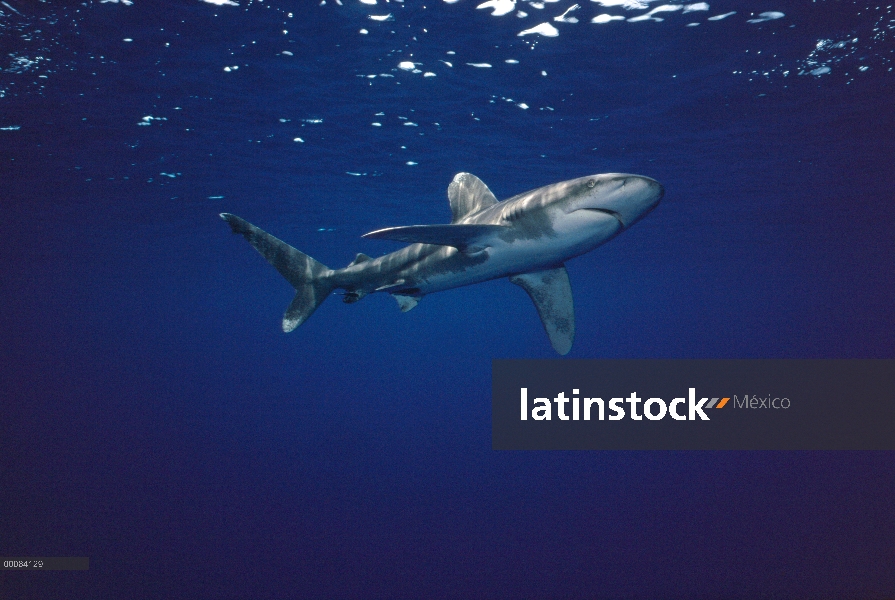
309	277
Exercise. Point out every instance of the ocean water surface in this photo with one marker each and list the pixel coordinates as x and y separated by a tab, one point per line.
156	418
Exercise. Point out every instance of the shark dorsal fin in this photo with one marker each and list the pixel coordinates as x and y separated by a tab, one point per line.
360	258
551	293
468	194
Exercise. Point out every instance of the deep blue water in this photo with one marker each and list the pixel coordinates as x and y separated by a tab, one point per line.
156	419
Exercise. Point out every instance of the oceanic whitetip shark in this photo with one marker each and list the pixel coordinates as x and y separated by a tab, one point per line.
527	238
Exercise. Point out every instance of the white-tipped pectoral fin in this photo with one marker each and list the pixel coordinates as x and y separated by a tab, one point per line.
551	293
466	238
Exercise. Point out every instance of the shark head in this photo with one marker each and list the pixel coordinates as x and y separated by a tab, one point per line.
627	198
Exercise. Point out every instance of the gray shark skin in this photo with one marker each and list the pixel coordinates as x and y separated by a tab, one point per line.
527	238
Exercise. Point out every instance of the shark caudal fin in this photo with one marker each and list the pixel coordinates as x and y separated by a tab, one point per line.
307	276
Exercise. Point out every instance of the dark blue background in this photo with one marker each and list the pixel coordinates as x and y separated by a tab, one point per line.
156	419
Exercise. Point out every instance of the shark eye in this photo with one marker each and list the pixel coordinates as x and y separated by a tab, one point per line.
591	183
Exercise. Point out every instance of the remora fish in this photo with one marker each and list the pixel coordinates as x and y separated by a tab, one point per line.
526	238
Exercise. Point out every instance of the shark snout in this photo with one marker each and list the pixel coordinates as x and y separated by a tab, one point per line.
628	198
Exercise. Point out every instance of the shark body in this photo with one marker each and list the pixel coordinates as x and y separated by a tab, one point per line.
527	238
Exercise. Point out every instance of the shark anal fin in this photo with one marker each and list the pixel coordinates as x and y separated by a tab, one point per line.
468	194
406	303
466	238
551	293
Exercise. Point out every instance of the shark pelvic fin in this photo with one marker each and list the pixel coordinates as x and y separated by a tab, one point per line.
468	194
406	303
466	238
551	293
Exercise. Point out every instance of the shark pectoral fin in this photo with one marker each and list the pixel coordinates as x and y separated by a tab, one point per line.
468	194
406	303
466	238
551	292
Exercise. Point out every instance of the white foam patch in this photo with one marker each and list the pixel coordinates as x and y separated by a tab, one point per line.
649	16
545	29
604	18
480	65
628	4
368	1
411	163
221	2
767	16
511	61
387	17
286	52
406	65
428	74
11	128
820	71
692	24
499	7
363	32
125	2
564	19
724	16
148	119
695	7
523	106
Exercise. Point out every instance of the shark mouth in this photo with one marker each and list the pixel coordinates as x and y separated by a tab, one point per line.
611	213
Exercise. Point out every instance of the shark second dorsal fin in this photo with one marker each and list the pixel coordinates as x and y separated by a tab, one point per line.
551	293
466	238
360	258
468	194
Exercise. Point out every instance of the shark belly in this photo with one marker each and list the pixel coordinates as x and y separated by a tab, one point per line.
448	268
